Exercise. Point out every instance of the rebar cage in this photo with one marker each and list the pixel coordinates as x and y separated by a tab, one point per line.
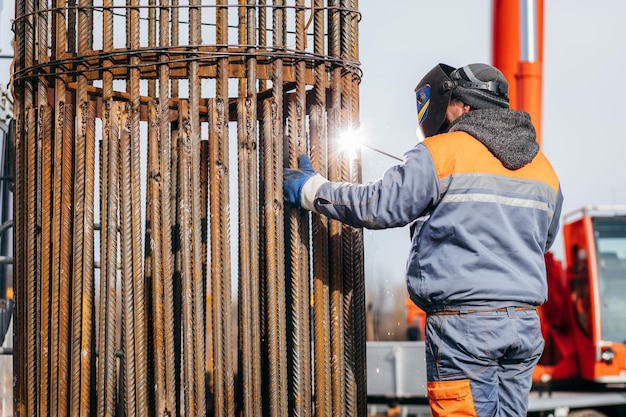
144	131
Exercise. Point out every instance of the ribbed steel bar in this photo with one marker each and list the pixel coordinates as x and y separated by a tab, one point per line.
43	212
32	286
276	308
262	34
208	313
253	161
106	371
249	160
77	249
19	361
319	227
336	278
174	37
219	202
195	92
64	277
82	274
42	53
184	222
134	207
129	370
106	378
348	234
351	20
300	375
46	131
20	399
245	259
167	403
153	260
270	212
152	39
58	380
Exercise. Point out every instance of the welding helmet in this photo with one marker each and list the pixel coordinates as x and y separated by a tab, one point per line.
479	86
432	96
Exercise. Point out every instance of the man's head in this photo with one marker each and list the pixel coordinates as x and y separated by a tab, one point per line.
477	86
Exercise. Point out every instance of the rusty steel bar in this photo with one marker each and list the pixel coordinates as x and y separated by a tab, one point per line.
245	260
300	375
195	91
174	38
59	109
61	261
83	276
349	235
249	309
244	314
109	206
278	337
152	38
208	319
32	287
133	209
184	222
43	211
358	266
46	129
106	371
42	53
20	399
153	259
220	259
168	402
271	238
336	278
262	42
319	227
129	369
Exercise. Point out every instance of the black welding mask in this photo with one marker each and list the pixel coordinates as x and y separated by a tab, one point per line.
432	96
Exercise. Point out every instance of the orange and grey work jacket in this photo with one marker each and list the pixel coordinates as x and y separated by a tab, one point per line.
486	206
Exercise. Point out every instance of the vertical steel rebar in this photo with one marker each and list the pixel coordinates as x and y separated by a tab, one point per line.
46	129
32	287
153	257
300	402
195	92
278	337
185	230
319	227
168	403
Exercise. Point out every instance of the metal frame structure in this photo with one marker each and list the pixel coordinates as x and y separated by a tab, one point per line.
144	129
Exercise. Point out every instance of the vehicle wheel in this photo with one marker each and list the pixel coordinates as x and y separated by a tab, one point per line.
586	413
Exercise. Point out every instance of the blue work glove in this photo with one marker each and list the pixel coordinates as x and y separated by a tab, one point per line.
294	179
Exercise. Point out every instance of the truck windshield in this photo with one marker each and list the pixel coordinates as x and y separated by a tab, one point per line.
610	234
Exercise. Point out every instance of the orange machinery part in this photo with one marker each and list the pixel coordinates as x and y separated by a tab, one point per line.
525	78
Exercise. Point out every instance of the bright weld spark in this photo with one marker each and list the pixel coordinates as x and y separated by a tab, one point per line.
351	140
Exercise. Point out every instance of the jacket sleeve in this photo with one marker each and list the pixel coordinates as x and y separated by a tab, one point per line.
554	224
404	193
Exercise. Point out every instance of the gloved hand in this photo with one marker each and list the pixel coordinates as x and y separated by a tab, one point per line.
294	180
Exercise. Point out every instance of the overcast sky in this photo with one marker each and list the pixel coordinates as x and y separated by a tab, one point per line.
401	40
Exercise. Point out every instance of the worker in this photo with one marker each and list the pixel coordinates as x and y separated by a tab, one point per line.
484	204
